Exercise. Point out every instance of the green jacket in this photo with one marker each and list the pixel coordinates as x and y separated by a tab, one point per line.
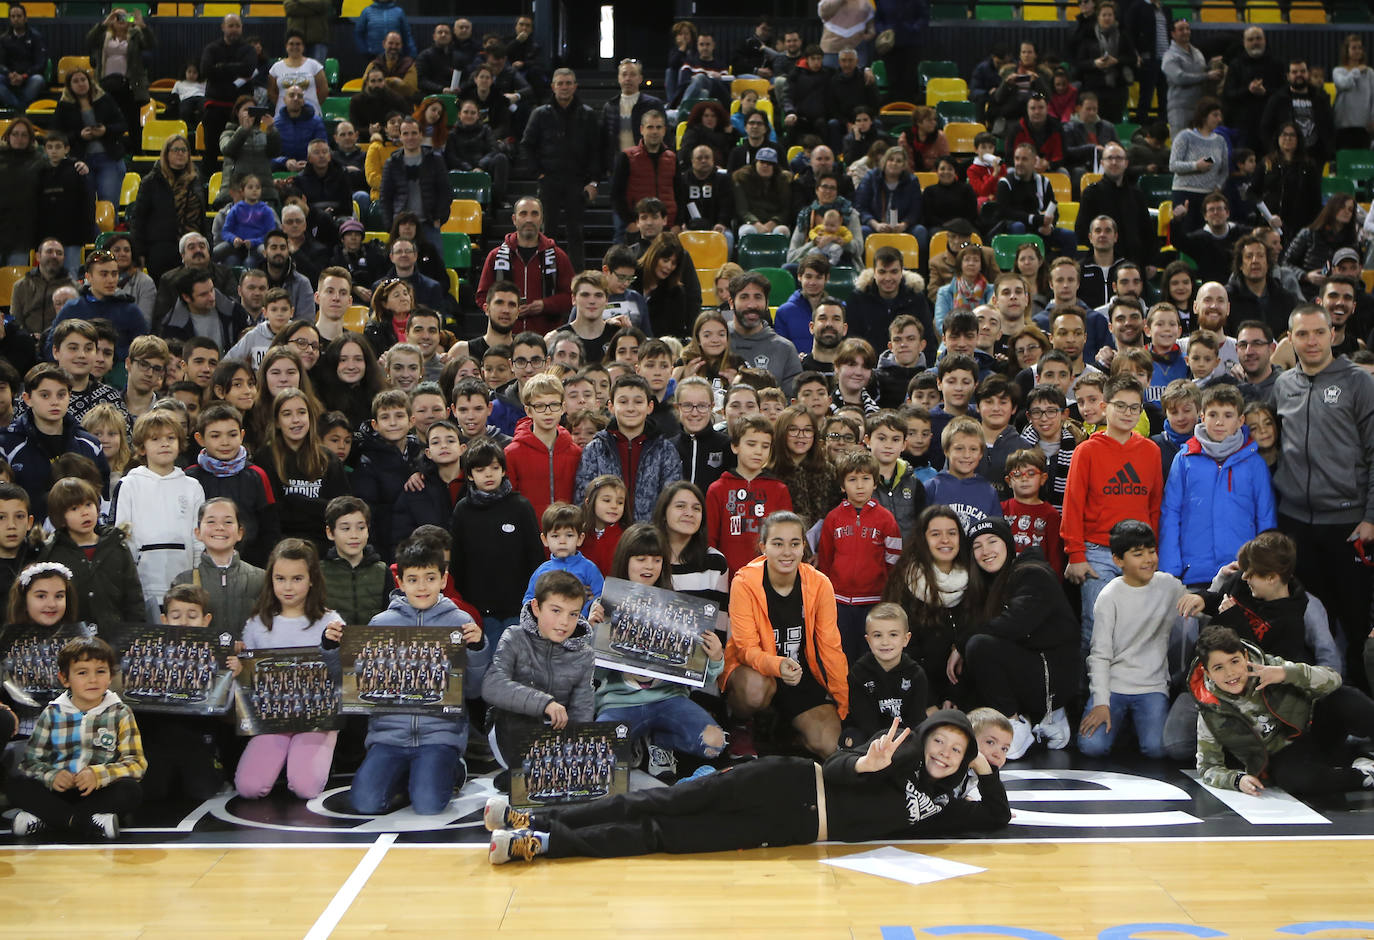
311	17
107	587
1257	723
233	590
358	594
140	41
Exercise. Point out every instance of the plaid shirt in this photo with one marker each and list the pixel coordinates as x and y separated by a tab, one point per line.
104	739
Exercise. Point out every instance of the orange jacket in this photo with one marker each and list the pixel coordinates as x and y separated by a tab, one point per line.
751	636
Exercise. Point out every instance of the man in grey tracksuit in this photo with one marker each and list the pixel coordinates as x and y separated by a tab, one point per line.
753	340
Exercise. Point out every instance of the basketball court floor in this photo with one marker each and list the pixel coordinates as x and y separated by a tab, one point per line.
1096	850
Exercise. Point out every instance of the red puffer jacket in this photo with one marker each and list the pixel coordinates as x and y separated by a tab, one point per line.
541	475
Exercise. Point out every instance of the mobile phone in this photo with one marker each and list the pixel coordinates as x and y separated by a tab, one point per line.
1208	160
257	112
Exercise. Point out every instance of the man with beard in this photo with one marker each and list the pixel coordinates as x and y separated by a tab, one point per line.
1255	347
794	317
503	307
752	339
281	272
540	270
369	108
1255	293
195	256
1251	78
398	68
705	197
1211	310
1337	297
1127	284
1300	103
827	332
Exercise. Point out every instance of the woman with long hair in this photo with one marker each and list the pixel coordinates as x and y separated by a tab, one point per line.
1353	109
95	128
970	288
707	354
350	377
433	118
696	567
710	126
298	70
392	302
799	461
304	338
303	475
1180	286
1335	227
1030	264
116	46
281	368
951	197
1018	650
660	281
923	141
1291	187
1199	159
929	581
170	204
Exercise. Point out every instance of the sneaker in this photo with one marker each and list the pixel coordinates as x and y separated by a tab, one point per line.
1363	764
106	825
1054	730
508	844
27	824
662	764
499	815
1022	737
742	741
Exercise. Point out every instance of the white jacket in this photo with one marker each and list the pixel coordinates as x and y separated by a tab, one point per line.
160	513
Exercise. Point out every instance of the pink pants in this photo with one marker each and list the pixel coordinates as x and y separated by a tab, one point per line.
307	756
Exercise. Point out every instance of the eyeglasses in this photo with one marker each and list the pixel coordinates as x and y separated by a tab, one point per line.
1025	473
692	406
1126	408
544	408
841	438
1043	412
803	432
523	363
306	344
152	367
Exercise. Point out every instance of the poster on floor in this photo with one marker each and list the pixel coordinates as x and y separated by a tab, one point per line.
648	631
403	670
172	669
28	661
583	762
287	690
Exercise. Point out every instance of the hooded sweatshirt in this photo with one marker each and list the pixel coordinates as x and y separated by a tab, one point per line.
540	474
161	513
771	352
735	510
1108	482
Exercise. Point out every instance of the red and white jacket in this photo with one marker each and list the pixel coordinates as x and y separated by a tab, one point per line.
857	549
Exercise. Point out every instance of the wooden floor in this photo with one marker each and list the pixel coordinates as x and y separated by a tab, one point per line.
1239	888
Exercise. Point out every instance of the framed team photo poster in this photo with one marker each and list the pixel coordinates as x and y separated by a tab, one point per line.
287	690
580	763
172	669
648	631
28	661
406	670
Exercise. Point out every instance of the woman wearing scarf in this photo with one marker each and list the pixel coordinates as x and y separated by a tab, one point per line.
899	785
170	204
929	581
1107	62
969	289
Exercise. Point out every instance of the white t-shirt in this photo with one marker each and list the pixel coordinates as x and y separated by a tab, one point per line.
302	75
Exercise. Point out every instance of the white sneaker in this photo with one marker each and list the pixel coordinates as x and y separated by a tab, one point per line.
27	824
662	764
498	815
509	844
106	824
1054	730
1363	764
1022	737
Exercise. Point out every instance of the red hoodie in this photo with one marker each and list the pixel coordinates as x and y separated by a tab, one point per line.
547	276
857	550
735	510
541	475
1109	482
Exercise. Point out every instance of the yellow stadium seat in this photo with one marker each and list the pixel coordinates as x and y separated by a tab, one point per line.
1039	12
70	63
708	292
1307	13
1217	13
794	151
155	132
740	85
175	9
164	85
1063	186
8	278
40	11
265	10
355	318
763	104
104	215
681	129
1166	215
453	286
465	215
960	136
898	107
945	89
939	242
1368	278
218	10
216	181
1087	180
927	179
351	8
353	85
911	251
708	249
128	190
382	237
42	106
1068	213
1263	13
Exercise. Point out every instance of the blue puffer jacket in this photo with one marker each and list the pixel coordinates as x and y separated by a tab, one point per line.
129	321
659	465
1210	511
873	200
377	19
297	133
427	730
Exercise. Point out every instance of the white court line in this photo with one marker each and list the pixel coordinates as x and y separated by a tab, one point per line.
349	891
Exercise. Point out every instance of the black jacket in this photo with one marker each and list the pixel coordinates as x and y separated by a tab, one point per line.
379	480
67	117
31	463
107	585
26	54
221	65
1308	107
367	266
876	696
705	456
704	204
1278	627
434	69
155	215
1136	236
301	502
251	491
436	195
466	146
496	548
610	122
429	506
1244	110
233	320
332	189
372	107
1273	308
564	143
869	314
843	95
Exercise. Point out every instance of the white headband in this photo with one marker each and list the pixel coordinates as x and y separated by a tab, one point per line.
41	569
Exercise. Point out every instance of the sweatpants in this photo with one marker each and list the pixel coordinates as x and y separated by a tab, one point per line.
1004	675
306	755
1304	767
770	801
70	810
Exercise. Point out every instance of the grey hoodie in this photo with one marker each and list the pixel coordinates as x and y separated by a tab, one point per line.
767	350
1323	476
529	671
426	730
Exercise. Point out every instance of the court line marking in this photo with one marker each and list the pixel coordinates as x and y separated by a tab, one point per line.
483	846
346	894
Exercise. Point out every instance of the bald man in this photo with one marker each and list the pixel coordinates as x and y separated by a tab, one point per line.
225	67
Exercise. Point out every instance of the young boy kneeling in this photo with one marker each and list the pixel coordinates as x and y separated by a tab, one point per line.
427	749
85	757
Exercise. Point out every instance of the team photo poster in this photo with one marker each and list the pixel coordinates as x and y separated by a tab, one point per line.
583	762
28	661
172	669
403	670
651	632
287	690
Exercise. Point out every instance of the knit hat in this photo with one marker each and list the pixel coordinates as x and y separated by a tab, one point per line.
995	526
766	155
350	225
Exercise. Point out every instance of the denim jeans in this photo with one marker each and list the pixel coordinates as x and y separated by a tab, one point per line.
493	627
1100	557
433	771
19	97
676	723
1147	712
107	175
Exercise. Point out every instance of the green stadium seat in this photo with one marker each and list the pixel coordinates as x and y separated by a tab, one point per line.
783	284
757	251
